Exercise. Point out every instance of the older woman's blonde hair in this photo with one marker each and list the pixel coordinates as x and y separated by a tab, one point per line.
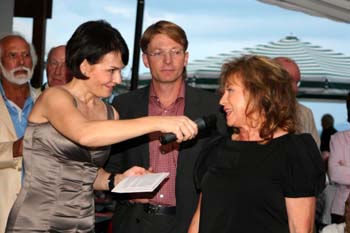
269	89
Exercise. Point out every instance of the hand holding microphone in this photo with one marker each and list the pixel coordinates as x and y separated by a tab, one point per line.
202	123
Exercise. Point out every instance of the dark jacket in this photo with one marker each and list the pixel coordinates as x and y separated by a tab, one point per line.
198	103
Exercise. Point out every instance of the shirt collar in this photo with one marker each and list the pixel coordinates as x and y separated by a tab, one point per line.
180	95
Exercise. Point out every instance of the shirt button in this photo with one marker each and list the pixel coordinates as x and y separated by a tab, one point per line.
161	195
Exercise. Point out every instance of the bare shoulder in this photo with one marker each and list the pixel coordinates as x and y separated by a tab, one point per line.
56	91
56	96
51	100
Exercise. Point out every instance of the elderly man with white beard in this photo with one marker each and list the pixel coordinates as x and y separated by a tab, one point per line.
17	62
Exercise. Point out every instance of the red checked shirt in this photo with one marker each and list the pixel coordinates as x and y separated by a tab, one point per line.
163	158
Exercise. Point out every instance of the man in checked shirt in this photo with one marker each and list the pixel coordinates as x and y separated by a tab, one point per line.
170	207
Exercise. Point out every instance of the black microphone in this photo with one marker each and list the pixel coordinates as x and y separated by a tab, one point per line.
202	123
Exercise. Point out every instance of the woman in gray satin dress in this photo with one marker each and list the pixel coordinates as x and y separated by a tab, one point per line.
68	134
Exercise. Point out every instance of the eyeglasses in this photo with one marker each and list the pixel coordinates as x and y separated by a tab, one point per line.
174	53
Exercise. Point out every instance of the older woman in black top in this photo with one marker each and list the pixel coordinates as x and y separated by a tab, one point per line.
264	178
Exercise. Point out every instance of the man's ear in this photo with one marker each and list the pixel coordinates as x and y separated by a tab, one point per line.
186	58
145	60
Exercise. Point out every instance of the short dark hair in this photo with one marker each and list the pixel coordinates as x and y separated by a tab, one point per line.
327	120
91	41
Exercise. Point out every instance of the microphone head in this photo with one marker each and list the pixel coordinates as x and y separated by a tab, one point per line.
206	122
202	123
210	121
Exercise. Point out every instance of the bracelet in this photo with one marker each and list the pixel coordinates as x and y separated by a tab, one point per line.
111	181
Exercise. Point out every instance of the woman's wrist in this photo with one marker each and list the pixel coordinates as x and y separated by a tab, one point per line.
113	180
118	178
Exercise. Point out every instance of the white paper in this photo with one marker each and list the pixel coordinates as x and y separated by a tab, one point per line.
137	184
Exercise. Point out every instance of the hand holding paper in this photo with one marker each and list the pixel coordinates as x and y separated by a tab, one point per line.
143	183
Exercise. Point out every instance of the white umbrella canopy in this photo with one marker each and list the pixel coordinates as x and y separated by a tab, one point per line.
338	10
324	73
